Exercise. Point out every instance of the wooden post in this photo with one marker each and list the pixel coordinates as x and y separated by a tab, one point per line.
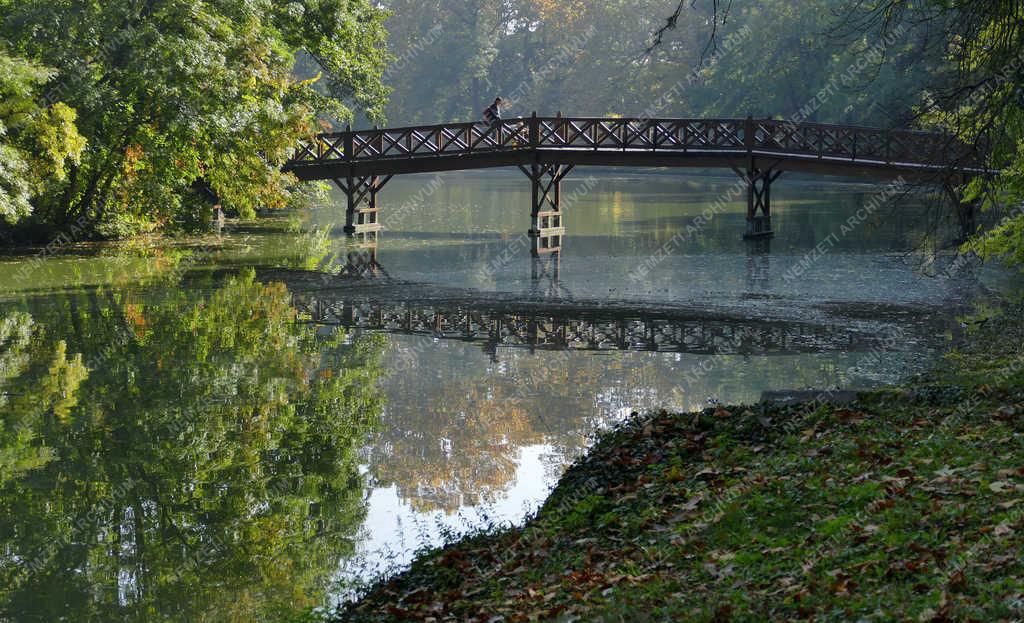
350	209
751	208
534	131
349	143
558	192
350	189
535	205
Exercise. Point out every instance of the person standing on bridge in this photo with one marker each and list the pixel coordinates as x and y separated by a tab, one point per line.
492	114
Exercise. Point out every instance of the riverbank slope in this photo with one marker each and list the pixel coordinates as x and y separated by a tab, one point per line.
907	503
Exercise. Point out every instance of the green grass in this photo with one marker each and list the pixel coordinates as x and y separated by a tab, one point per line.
906	505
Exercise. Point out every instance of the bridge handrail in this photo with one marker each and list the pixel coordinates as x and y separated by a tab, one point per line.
521	120
737	120
749	135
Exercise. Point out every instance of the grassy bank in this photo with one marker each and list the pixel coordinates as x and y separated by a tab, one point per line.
905	504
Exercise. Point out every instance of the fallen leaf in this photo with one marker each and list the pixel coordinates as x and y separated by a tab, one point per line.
847	416
1000	486
1003	529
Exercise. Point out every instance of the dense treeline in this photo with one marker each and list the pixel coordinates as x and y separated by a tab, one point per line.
121	116
772	58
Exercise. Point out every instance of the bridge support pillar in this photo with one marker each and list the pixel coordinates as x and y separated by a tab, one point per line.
759	202
362	216
546	226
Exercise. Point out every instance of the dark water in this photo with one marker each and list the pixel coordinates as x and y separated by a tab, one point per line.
235	429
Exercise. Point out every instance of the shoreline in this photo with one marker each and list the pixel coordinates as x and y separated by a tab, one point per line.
900	503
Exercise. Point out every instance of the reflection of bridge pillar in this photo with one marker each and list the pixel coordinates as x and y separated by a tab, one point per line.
362	263
544	274
759	202
546	267
546	227
759	263
362	215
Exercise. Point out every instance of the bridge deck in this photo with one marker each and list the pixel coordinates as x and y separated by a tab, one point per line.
729	143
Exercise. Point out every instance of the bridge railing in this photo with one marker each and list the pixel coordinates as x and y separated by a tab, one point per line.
434	140
743	136
750	135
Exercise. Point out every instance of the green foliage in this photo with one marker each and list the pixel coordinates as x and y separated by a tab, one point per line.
982	103
37	142
168	93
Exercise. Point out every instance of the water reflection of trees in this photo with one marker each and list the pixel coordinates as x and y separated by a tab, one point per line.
174	453
456	422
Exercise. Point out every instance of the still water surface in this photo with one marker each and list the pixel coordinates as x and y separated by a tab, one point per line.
237	428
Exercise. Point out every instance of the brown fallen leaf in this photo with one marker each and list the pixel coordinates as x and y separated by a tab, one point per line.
848	416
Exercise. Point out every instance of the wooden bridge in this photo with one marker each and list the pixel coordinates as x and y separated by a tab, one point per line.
547	148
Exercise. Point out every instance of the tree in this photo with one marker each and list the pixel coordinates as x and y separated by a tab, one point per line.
175	96
37	142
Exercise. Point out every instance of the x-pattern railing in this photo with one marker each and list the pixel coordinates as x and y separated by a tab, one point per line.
656	135
512	328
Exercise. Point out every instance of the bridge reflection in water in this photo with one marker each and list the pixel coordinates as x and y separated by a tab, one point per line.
363	296
583	331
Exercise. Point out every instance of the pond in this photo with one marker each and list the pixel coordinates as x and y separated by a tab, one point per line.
246	426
